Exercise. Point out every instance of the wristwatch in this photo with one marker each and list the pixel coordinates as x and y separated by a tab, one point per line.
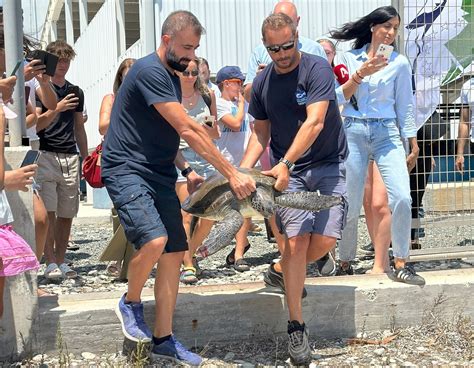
290	165
186	171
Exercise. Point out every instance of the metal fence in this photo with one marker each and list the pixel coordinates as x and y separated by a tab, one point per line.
439	44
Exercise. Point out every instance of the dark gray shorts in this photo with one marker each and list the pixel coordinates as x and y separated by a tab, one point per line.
329	179
147	211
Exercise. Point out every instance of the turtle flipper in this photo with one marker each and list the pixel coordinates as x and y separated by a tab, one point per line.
309	201
221	234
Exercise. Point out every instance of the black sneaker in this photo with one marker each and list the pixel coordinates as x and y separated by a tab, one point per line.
344	269
367	251
274	278
408	275
327	265
298	344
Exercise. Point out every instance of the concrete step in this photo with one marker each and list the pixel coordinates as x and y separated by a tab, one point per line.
334	307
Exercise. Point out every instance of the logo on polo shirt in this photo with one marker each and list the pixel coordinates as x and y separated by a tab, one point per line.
301	97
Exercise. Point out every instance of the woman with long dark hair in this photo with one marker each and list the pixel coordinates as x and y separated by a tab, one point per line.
376	120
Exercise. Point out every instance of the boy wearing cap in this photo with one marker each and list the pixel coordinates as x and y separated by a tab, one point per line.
234	124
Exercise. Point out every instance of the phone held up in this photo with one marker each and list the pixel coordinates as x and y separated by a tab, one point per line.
385	51
31	158
50	60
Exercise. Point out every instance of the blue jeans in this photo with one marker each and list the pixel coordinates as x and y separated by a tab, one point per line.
379	140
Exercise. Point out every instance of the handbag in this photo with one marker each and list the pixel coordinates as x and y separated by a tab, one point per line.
91	168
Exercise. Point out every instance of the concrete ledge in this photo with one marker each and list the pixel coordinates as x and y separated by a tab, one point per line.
337	306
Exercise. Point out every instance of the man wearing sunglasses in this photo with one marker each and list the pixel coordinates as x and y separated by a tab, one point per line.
260	57
293	101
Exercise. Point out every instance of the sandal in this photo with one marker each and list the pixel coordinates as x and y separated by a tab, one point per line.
188	276
67	272
53	272
114	269
229	260
72	246
241	265
255	228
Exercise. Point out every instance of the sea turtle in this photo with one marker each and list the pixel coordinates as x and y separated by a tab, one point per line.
214	200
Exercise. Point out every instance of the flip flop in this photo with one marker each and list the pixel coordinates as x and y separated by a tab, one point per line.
229	260
72	246
53	272
67	272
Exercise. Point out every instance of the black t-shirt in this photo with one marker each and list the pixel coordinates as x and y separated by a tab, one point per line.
59	135
283	98
139	140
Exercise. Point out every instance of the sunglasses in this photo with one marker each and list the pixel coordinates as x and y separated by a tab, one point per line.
276	48
193	73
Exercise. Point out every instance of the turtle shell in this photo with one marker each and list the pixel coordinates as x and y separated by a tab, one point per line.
214	197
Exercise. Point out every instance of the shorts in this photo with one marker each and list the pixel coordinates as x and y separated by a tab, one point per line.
329	179
58	182
199	165
147	211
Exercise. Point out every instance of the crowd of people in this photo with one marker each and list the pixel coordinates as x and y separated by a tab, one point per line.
167	128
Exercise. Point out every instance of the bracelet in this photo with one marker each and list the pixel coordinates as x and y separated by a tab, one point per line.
355	80
359	75
186	171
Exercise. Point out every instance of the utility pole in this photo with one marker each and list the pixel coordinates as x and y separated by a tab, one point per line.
13	34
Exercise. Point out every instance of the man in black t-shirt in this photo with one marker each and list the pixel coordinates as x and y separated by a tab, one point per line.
61	132
293	101
138	169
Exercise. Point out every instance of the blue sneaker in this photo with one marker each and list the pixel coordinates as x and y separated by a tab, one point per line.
133	324
174	351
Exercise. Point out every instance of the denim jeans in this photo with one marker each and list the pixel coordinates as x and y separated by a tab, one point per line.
378	140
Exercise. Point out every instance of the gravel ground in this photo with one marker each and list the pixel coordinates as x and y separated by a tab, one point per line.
92	239
436	343
439	341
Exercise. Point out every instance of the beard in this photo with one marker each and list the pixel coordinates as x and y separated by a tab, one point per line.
175	63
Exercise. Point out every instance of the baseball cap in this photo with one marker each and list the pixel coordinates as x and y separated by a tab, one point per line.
229	72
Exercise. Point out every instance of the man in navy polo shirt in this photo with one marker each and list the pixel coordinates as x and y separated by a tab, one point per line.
293	101
139	172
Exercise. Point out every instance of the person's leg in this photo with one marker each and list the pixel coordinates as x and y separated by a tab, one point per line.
380	222
182	192
241	239
367	202
293	263
41	224
68	206
166	291
62	230
279	237
140	266
390	157
356	172
49	247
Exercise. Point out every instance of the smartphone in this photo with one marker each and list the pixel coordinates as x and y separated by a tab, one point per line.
385	51
209	121
50	60
31	157
15	69
73	90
